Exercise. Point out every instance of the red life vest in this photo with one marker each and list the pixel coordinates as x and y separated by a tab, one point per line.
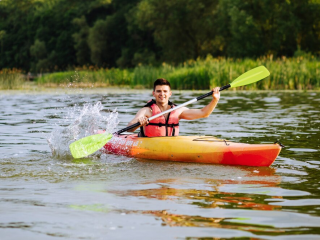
160	126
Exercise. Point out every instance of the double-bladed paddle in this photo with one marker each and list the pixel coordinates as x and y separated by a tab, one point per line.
90	144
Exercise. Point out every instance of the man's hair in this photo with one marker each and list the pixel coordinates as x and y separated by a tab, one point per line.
161	81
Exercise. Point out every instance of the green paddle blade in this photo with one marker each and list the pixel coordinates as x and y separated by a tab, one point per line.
251	76
88	145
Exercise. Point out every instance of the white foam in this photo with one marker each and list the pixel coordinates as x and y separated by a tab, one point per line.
79	123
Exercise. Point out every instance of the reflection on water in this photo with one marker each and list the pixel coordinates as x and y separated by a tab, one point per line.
176	220
115	197
214	198
212	195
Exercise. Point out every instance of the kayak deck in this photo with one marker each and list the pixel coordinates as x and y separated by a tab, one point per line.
196	149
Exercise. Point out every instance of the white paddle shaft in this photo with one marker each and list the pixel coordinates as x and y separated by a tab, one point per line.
172	109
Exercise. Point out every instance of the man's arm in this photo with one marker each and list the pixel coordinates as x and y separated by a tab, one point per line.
191	114
142	116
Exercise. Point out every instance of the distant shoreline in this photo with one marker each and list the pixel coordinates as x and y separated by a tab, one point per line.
285	74
124	90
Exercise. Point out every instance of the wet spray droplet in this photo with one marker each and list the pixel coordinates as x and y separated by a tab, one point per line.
79	123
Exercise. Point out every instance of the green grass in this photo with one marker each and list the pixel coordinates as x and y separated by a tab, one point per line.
11	79
94	78
286	74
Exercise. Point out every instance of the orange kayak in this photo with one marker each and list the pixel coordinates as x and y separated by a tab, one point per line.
195	149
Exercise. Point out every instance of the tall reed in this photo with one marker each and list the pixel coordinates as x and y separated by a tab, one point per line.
286	74
92	77
11	79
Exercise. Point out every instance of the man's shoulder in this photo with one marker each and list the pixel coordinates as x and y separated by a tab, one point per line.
146	109
150	103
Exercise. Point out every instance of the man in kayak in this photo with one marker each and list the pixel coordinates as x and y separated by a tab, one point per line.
168	124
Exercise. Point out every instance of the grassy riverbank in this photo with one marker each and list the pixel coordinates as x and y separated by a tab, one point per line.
11	79
286	74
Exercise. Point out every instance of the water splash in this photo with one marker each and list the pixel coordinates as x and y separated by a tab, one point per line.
84	121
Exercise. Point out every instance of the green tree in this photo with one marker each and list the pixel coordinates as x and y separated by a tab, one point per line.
140	46
184	29
107	38
308	38
97	40
15	21
2	35
43	62
50	21
252	28
81	41
38	50
57	34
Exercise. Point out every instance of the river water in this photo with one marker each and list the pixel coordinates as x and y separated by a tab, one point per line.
45	194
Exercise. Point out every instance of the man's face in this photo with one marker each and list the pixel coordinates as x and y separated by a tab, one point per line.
162	93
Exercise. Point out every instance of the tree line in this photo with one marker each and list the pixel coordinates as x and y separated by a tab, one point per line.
55	35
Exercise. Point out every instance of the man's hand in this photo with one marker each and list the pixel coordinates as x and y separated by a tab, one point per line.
216	93
143	121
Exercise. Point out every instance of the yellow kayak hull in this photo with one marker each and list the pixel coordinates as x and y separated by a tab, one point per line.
195	149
